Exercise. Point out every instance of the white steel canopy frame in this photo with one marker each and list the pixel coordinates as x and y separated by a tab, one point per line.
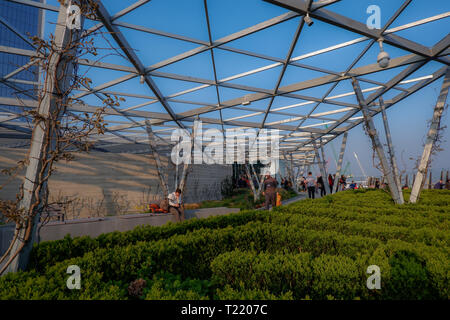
300	133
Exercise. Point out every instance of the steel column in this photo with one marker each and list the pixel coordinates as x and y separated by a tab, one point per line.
321	167
377	144
325	178
50	100
391	149
431	137
152	144
250	180
187	164
339	164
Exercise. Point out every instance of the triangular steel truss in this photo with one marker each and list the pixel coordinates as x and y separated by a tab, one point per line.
301	132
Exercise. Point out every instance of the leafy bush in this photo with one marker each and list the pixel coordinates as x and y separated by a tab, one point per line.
309	250
409	277
337	276
50	252
227	187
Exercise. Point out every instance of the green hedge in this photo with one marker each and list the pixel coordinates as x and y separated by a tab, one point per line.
50	252
283	254
407	272
429	236
391	216
301	274
369	206
351	223
188	255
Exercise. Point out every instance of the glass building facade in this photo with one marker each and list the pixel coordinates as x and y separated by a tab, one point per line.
28	21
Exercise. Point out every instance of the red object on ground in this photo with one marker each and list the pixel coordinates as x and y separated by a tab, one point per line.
154	208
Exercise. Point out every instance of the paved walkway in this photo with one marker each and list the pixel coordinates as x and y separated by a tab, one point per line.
94	227
301	196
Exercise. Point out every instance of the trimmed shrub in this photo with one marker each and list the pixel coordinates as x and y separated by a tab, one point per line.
50	252
309	250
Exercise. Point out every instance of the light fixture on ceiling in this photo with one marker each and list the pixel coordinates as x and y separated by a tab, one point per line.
141	80
383	57
308	20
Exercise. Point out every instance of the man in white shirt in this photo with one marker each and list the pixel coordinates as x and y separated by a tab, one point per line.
311	185
175	205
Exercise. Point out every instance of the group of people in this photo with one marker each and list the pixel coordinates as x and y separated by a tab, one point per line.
311	184
174	203
286	183
243	182
441	185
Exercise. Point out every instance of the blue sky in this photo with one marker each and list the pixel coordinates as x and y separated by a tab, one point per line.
408	119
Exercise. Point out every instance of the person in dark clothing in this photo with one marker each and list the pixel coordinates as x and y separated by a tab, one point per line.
303	183
286	184
321	186
377	184
311	185
439	185
241	183
331	182
270	191
342	182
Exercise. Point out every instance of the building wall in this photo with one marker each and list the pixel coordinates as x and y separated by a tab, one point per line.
101	184
203	182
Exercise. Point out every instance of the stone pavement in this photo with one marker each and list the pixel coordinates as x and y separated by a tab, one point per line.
300	196
94	227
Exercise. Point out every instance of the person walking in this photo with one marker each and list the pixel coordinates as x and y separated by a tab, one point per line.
176	206
241	183
311	185
270	191
331	182
321	186
303	184
377	184
287	184
439	185
342	182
